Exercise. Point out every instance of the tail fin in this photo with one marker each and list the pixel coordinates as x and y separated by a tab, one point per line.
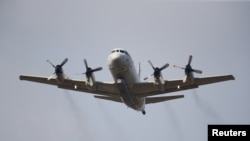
139	71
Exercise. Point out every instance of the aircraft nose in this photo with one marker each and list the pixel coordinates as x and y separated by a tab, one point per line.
116	60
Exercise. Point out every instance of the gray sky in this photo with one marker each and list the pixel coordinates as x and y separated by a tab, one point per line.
217	34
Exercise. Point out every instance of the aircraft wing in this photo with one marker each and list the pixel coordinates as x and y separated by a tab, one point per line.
145	89
101	88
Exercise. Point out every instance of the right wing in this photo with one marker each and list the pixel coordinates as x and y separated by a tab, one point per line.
145	89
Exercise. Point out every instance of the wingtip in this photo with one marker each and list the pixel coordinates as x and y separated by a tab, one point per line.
20	77
232	77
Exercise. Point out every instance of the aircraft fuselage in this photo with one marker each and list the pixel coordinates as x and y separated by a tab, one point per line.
125	76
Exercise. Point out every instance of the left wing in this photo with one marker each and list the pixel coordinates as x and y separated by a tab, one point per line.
150	89
101	88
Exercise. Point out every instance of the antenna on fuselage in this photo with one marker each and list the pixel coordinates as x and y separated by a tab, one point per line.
139	72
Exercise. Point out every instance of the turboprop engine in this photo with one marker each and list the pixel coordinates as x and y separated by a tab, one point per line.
189	71
158	78
89	73
60	76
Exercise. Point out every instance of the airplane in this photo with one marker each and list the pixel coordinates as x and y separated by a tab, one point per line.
127	87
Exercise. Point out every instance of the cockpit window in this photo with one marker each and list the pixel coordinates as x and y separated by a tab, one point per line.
127	53
121	51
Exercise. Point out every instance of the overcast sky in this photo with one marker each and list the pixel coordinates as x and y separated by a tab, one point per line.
217	34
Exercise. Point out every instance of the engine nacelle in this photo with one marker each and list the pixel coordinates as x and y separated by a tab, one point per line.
189	78
90	82
159	82
60	78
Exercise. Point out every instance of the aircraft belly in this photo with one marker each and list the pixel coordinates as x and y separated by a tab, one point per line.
125	76
127	97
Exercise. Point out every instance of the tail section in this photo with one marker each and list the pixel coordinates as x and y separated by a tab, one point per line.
150	100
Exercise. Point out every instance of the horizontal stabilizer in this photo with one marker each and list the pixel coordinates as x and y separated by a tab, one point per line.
150	100
115	99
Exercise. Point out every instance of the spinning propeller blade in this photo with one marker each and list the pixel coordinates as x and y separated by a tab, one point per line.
58	68
188	67
197	71
86	63
190	59
151	64
51	64
89	70
164	66
64	62
157	71
178	67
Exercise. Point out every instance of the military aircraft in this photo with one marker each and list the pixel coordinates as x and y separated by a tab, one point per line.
127	87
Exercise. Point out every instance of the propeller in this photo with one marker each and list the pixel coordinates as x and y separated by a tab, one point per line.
188	69
157	71
89	70
58	68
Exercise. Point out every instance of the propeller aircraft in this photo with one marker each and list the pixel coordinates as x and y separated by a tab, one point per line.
127	87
